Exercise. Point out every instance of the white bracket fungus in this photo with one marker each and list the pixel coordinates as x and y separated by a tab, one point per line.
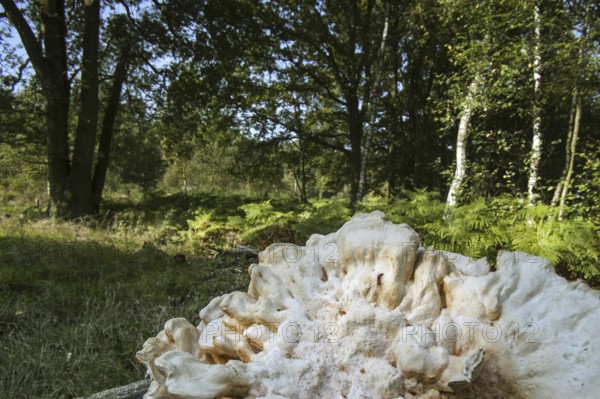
366	313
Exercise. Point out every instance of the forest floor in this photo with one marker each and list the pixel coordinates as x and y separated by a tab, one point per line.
78	299
77	302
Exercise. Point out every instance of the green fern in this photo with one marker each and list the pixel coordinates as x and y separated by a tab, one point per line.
477	229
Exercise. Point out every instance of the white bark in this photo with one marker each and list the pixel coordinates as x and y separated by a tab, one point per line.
372	110
461	146
536	147
184	177
135	390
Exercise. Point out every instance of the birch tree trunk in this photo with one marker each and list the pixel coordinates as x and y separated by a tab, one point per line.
372	111
536	146
572	151
461	146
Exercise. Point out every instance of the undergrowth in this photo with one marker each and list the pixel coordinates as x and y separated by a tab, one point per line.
76	304
481	228
78	299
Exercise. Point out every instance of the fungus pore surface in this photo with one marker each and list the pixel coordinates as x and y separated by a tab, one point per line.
366	312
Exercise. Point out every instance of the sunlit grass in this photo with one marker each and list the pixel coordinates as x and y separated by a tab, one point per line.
76	304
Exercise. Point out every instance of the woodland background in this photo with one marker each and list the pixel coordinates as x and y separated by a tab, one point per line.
143	141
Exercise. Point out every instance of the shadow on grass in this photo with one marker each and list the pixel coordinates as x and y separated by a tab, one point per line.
73	313
176	208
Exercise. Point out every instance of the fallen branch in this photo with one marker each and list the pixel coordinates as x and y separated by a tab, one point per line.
246	250
134	390
237	250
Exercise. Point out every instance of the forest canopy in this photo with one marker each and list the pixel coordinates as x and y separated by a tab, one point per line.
309	99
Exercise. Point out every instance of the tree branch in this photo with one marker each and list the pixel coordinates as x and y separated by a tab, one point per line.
298	133
168	21
19	77
132	391
28	38
143	33
320	83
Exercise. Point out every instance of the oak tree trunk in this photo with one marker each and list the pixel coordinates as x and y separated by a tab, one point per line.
73	192
87	125
50	65
55	81
108	127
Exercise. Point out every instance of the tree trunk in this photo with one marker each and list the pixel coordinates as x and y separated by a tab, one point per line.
303	176
184	177
69	183
572	152
461	146
87	125
536	147
396	127
372	110
355	131
57	133
108	126
50	65
559	185
57	92
50	68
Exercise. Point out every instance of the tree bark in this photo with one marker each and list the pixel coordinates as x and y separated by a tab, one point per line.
395	126
135	390
50	65
184	177
559	185
57	90
57	117
303	175
372	110
74	190
461	146
536	147
108	126
30	42
69	183
87	124
562	188
572	145
355	131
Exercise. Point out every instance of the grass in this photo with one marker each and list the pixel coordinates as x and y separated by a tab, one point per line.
77	303
77	300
